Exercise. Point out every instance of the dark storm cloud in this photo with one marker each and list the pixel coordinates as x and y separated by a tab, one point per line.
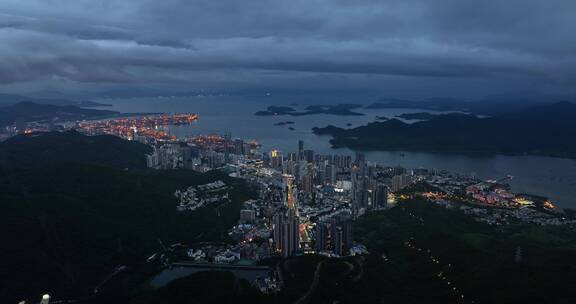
234	43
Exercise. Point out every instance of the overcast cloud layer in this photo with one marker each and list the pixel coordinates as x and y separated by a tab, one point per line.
415	48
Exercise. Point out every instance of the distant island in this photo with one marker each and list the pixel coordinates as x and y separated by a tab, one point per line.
339	109
27	111
426	115
410	104
275	110
284	123
482	107
542	130
417	116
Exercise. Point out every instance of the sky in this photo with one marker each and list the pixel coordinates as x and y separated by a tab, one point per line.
400	48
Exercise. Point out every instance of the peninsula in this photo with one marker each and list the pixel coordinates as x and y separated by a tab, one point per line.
542	130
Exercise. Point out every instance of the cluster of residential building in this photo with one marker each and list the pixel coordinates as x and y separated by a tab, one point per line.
491	193
22	127
491	201
201	153
195	197
306	202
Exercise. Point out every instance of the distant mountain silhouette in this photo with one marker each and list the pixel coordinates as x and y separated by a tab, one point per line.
32	111
11	99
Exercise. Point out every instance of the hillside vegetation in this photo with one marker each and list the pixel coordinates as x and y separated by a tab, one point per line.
65	224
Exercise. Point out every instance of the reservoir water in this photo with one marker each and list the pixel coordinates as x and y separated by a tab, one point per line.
168	275
547	176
